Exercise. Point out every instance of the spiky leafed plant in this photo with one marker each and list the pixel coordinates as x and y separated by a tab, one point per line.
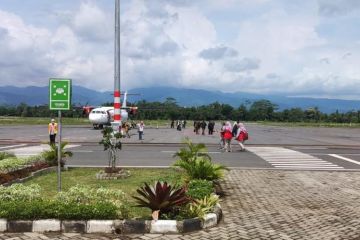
192	151
51	155
161	197
202	168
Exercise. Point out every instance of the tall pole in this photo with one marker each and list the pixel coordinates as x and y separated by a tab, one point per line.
59	152
117	112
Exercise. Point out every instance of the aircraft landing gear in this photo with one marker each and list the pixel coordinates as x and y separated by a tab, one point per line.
98	126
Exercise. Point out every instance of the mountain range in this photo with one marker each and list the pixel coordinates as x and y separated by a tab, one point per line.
10	95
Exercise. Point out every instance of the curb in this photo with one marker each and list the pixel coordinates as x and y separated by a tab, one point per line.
113	226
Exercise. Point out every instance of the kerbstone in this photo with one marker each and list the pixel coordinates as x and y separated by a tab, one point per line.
3	225
190	225
100	226
163	226
19	226
133	226
73	226
47	225
210	220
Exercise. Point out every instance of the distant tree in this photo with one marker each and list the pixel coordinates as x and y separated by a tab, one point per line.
262	110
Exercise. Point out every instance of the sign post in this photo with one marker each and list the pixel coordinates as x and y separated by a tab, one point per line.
60	99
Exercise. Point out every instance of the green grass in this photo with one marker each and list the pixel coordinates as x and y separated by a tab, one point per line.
40	121
67	121
310	124
86	176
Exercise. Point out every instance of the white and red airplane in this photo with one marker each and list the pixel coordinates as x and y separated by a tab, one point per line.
105	115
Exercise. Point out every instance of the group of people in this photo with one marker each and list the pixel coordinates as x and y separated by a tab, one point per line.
180	124
228	132
202	125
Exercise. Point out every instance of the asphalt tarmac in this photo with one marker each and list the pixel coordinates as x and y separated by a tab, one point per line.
269	147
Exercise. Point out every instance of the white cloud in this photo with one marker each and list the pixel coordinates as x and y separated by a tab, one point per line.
280	46
92	23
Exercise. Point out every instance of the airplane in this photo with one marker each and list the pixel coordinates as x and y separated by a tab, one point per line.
105	115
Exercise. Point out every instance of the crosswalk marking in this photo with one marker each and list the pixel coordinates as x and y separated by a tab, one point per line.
284	158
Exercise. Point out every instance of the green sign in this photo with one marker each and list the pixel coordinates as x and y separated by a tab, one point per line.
60	94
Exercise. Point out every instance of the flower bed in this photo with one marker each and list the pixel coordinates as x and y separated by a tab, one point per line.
14	168
190	206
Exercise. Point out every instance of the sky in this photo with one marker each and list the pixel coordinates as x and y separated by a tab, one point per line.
293	48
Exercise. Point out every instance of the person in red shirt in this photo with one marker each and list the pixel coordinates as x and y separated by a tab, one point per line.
227	129
241	136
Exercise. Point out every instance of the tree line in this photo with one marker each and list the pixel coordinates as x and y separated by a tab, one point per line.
261	110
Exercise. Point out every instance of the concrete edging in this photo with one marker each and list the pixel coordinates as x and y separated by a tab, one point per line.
113	226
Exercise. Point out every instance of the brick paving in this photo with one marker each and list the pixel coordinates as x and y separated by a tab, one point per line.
270	205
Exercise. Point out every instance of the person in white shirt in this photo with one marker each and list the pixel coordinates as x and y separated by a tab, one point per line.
140	127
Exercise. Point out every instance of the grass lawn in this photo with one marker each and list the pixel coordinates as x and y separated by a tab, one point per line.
86	176
40	121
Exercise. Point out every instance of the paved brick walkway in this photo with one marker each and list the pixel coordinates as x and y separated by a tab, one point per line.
272	205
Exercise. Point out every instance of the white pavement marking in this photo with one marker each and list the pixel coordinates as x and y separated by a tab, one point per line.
285	158
308	147
13	146
34	150
176	151
344	158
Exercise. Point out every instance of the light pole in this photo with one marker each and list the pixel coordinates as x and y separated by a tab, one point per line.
117	112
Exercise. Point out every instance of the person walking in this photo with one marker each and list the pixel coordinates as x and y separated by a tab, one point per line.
203	126
227	136
211	126
241	136
52	129
140	127
222	139
172	125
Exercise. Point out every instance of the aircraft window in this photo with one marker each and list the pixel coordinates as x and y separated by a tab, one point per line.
97	112
103	112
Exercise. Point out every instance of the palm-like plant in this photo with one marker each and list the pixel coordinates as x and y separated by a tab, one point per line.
192	151
51	155
161	197
202	168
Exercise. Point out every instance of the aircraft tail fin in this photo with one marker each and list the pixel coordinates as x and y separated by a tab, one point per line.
125	99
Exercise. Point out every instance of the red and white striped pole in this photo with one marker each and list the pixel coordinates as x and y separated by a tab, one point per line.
117	106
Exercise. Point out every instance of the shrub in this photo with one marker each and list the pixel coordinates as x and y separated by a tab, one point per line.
12	164
51	156
86	195
44	209
192	151
199	208
4	155
20	192
198	189
202	168
162	197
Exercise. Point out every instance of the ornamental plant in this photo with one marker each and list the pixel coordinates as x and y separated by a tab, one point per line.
111	142
201	168
85	195
12	164
200	207
4	155
192	151
161	197
199	188
51	156
20	192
